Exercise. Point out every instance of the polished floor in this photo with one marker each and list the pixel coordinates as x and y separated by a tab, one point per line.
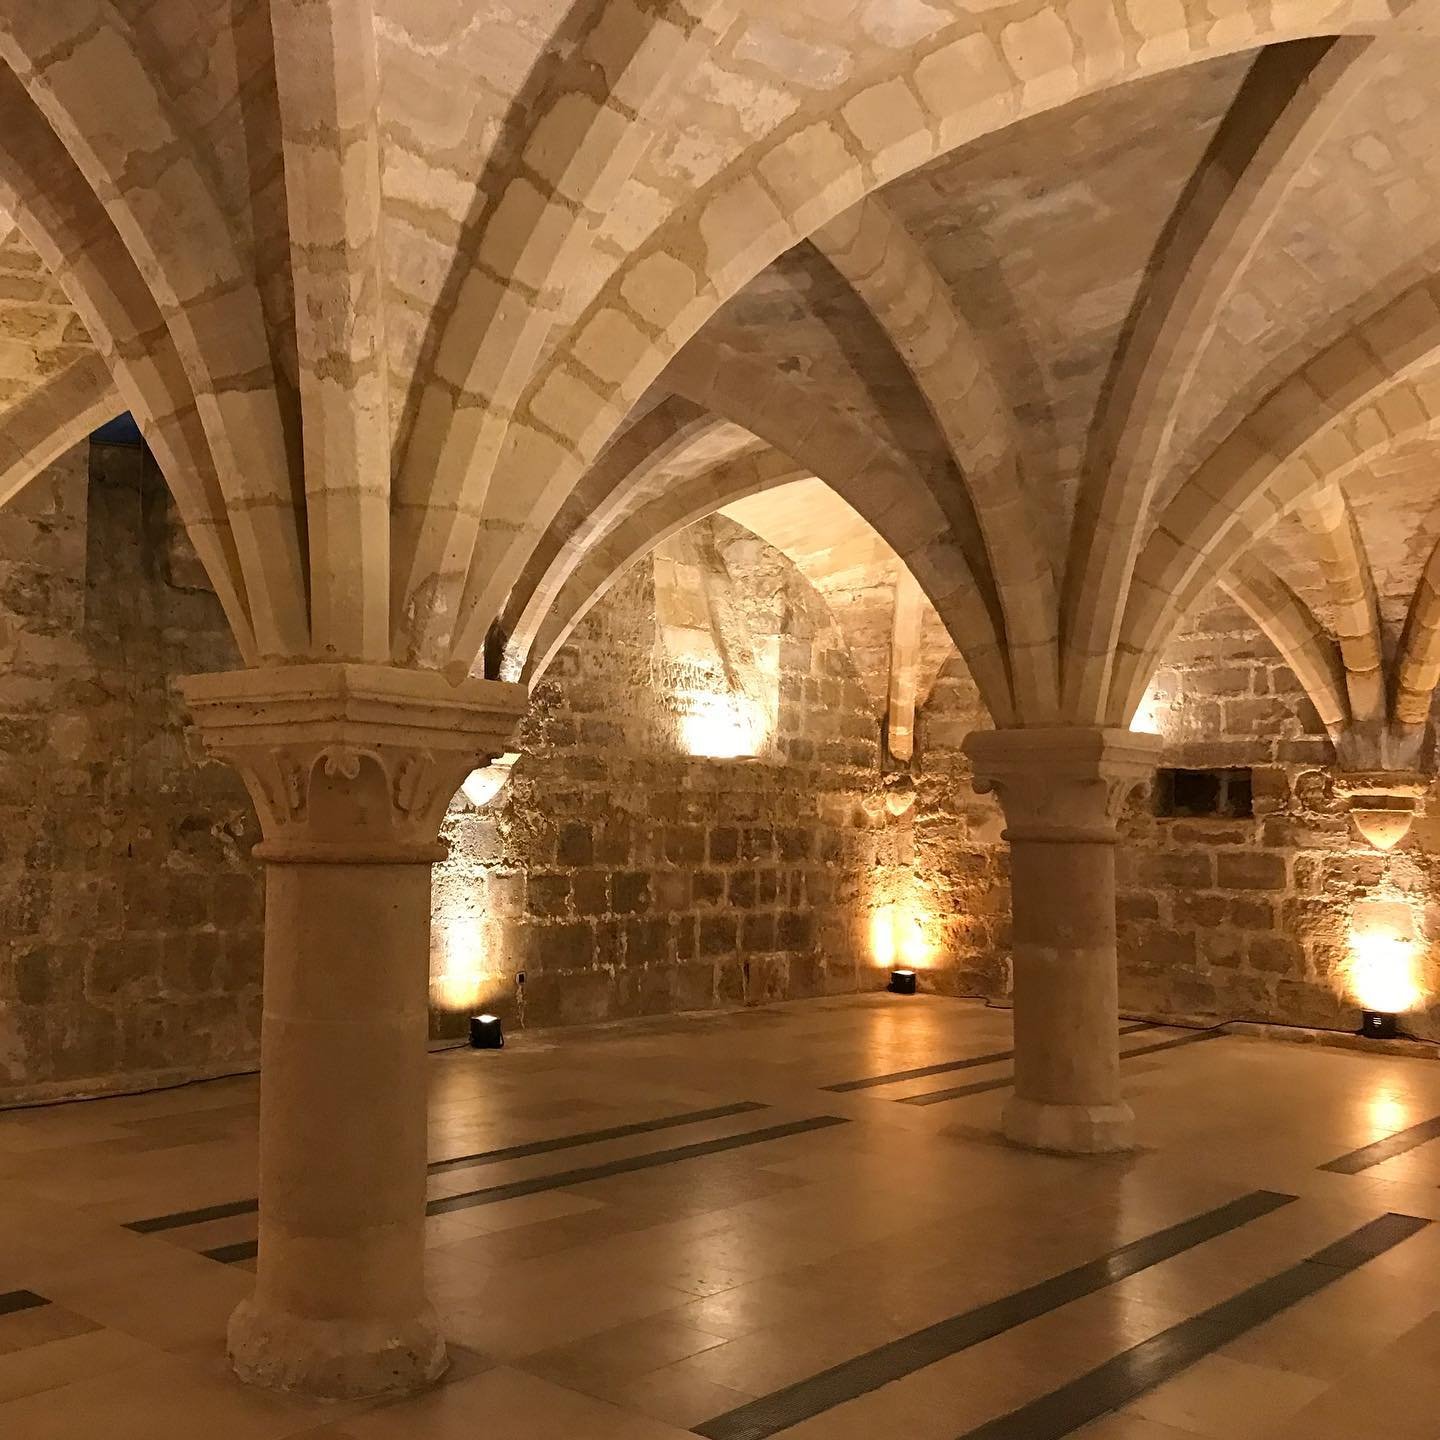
786	1221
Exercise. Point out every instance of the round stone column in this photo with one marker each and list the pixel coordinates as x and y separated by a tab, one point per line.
1061	789
351	768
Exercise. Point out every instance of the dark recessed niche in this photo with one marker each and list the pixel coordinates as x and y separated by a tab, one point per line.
1185	793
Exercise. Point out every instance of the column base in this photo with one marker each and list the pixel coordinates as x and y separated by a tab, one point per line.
1069	1129
335	1359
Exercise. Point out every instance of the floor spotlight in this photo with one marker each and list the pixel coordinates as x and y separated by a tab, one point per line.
486	1033
902	982
1379	1025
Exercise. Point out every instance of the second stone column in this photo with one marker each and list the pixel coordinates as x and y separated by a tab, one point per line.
1062	789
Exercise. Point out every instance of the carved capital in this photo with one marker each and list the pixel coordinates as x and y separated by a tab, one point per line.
352	764
1061	784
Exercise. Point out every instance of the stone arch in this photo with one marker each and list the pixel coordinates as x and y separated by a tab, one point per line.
614	487
1326	515
902	290
652	522
849	459
885	490
579	129
52	418
1352	400
197	272
1292	629
981	73
1287	106
65	223
1417	662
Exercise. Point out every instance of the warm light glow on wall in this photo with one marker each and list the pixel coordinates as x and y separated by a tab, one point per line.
461	982
1383	972
482	786
1148	715
720	727
897	932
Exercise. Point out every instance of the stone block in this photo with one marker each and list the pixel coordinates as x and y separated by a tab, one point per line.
718	934
1180	869
629	891
547	894
1250	870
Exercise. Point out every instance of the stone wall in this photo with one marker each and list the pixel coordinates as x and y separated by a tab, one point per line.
617	872
622	876
130	916
1219	919
1251	918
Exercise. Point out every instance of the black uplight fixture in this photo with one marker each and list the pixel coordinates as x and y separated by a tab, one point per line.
1379	1025
902	982
486	1033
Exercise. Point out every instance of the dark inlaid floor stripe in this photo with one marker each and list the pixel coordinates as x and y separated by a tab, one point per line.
1003	1082
180	1219
247	1249
971	1062
234	1253
595	1137
1353	1162
779	1411
1153	1361
13	1301
629	1165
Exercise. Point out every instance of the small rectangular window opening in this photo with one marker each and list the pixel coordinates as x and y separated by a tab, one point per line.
1224	793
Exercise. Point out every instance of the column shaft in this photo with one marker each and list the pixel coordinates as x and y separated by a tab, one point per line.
1067	1065
339	1295
1061	790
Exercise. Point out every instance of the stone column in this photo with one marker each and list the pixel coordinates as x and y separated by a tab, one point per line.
351	768
1061	789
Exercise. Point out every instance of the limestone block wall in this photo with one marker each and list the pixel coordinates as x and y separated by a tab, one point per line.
1252	918
623	876
1218	918
130	914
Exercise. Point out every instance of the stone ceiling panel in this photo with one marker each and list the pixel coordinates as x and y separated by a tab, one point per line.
1362	220
1043	232
801	317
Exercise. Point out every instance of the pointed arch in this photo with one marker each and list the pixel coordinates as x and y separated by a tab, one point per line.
1351	401
66	225
965	79
616	484
132	147
654	520
899	286
1290	101
585	118
1417	662
1291	627
1327	518
52	419
898	503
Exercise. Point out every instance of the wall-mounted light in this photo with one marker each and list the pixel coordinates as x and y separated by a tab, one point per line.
486	1033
